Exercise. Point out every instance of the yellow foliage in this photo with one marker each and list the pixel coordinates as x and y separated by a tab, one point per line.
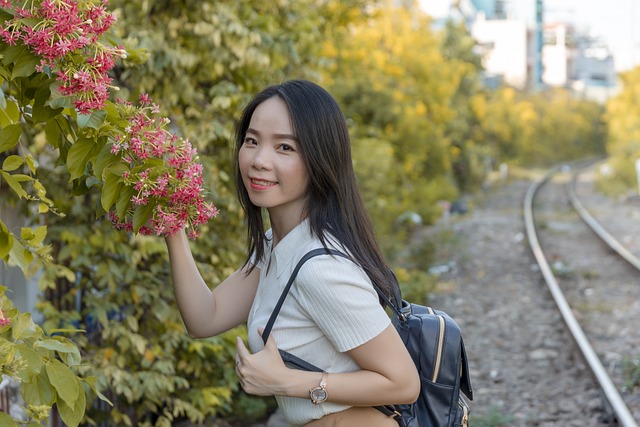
478	105
107	353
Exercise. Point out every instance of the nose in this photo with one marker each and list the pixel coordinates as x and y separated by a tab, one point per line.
261	159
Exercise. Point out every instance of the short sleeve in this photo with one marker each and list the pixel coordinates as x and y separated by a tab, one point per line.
339	297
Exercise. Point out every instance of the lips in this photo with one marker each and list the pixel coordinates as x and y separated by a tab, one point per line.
261	184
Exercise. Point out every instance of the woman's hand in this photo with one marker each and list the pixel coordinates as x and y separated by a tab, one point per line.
262	373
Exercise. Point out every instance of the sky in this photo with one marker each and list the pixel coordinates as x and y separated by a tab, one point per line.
616	21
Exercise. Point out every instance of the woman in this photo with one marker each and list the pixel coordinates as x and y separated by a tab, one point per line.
293	160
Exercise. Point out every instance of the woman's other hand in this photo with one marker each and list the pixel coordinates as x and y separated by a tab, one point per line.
262	373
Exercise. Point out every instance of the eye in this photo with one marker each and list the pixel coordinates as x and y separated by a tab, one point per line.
287	147
249	141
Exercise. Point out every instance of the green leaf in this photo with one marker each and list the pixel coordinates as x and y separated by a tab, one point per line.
40	190
6	241
14	184
124	201
39	391
142	215
26	233
104	159
79	155
92	381
93	120
6	420
20	177
17	255
118	168
73	414
12	163
41	111
43	208
113	114
63	380
9	136
66	349
28	354
52	131
25	64
12	53
10	114
31	163
110	190
61	101
39	233
3	100
79	187
24	328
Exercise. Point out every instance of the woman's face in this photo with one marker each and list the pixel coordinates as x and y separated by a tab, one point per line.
270	163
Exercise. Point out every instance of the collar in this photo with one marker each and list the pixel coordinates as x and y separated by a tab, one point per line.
286	250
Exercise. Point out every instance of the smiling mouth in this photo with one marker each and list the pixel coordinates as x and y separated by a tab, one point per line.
262	184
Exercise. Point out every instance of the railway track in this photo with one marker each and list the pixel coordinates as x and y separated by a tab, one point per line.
614	401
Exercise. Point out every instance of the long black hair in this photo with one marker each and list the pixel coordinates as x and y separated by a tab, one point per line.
333	203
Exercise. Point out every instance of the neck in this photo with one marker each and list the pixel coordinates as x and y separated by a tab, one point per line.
282	225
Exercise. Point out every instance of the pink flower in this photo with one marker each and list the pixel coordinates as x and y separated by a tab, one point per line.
163	173
136	200
144	99
4	321
60	32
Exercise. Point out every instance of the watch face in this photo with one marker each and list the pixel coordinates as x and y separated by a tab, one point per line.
319	395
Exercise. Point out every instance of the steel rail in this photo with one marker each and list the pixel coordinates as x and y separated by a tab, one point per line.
597	228
621	412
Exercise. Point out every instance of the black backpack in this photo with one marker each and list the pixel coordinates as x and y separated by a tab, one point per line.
434	341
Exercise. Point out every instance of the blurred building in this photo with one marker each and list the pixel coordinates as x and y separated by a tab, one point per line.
503	45
532	55
578	60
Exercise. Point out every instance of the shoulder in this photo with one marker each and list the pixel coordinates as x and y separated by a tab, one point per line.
333	274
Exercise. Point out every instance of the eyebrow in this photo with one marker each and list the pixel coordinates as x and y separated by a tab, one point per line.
276	135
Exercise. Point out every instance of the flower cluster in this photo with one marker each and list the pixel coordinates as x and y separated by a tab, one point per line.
164	175
58	31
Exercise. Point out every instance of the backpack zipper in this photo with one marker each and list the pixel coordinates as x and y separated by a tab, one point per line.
465	414
440	349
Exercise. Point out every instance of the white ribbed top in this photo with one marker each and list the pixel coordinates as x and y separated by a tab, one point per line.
331	308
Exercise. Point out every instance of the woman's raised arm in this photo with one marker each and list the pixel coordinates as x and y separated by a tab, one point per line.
205	312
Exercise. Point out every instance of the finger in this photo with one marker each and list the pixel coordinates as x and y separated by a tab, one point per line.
271	341
241	350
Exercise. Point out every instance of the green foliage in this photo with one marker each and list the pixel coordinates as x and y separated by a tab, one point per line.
631	369
398	103
623	143
203	61
135	341
46	366
494	418
541	129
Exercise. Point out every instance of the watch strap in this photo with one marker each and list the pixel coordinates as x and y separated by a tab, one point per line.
321	387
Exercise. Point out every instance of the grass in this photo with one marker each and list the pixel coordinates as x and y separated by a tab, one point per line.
631	371
494	418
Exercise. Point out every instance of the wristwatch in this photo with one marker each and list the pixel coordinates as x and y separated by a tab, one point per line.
319	394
